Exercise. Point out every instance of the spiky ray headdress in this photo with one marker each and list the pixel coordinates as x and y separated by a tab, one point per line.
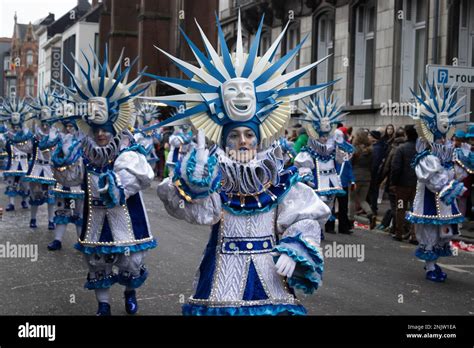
147	112
48	100
322	114
435	106
14	111
203	95
99	81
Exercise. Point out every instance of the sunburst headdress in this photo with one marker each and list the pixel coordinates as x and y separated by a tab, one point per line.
322	114
14	111
45	100
97	82
238	89
436	111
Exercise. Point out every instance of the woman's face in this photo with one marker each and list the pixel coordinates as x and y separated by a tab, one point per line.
70	129
102	137
241	144
390	130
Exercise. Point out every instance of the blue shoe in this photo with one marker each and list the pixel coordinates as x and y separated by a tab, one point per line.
24	205
55	245
33	223
131	305
51	225
434	277
440	272
10	207
104	309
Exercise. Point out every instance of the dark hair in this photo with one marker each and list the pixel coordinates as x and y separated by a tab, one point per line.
411	133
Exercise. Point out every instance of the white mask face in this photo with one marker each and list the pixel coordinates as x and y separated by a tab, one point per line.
443	122
325	125
45	113
98	112
16	117
147	117
239	99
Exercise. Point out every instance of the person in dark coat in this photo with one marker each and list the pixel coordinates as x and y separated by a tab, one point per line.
379	152
390	213
403	180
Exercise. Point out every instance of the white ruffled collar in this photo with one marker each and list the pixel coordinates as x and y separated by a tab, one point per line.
251	177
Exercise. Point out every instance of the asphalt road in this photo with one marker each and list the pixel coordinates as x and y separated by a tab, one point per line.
387	280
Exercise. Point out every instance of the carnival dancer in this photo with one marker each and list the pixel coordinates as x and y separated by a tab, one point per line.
265	239
40	175
116	231
316	162
19	143
180	142
148	114
68	171
3	142
435	212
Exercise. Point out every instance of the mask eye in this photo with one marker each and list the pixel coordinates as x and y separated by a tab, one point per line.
232	89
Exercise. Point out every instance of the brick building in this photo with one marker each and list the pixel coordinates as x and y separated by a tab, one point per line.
380	48
20	78
137	25
5	45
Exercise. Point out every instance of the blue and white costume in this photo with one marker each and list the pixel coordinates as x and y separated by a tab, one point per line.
19	143
435	212
318	160
148	114
115	231
68	171
259	212
40	174
179	142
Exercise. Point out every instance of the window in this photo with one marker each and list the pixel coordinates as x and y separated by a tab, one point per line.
324	47
29	85
466	49
69	46
265	42
6	63
29	58
364	54
413	53
292	40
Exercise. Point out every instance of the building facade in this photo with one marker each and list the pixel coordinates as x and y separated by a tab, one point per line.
138	25
20	79
379	49
5	45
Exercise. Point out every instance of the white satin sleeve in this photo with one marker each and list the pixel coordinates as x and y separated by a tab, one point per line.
134	171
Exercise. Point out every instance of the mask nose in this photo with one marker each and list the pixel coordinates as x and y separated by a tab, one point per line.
241	95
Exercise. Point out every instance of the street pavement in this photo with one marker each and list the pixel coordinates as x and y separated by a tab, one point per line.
386	279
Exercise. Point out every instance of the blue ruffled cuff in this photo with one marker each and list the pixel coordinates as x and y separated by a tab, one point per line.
434	254
101	283
310	264
269	310
195	188
115	194
128	280
434	220
449	194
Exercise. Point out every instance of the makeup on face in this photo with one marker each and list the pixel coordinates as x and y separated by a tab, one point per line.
102	137
241	144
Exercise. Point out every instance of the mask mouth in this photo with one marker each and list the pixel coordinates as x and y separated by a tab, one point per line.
241	105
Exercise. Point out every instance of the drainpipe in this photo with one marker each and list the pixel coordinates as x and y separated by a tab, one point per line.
435	33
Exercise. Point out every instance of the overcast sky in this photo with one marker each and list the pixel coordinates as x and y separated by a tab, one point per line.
30	11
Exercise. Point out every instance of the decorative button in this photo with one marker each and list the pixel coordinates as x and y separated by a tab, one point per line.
249	246
265	245
231	246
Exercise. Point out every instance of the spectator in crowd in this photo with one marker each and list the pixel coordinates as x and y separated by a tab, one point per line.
350	138
390	213
389	134
403	181
361	164
345	172
301	141
378	159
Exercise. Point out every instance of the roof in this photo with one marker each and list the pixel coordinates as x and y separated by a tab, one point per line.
21	30
64	22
